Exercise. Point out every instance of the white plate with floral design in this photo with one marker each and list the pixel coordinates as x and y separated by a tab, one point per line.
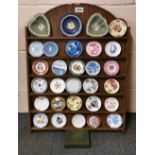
57	85
40	120
39	85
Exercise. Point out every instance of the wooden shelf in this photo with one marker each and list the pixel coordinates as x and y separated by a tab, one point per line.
77	38
67	111
51	128
50	75
57	36
79	94
82	58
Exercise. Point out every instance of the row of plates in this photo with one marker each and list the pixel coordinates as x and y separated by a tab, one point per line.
73	85
74	103
76	67
71	25
59	120
74	48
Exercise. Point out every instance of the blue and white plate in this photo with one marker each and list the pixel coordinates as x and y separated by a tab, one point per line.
112	48
36	49
50	49
74	48
114	121
73	85
71	25
59	120
59	67
93	68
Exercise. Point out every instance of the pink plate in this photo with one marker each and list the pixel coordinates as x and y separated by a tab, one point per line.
93	49
111	67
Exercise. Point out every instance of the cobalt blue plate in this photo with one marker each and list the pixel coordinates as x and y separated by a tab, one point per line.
50	49
71	25
74	48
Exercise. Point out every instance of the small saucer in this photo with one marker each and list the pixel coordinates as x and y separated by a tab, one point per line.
74	103
40	120
114	121
77	67
94	121
93	49
58	103
113	49
118	28
90	86
111	86
74	48
41	103
57	85
39	85
59	67
58	120
36	49
111	104
50	49
78	121
40	67
93	103
92	68
111	67
73	85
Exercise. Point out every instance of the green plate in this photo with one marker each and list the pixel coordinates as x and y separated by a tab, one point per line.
39	26
97	26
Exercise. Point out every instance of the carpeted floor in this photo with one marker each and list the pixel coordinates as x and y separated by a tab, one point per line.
102	143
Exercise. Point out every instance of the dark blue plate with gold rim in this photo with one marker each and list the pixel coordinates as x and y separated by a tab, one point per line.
70	25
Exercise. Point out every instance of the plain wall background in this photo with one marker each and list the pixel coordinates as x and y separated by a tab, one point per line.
120	8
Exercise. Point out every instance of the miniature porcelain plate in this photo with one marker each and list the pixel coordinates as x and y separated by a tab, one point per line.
77	67
92	68
57	85
111	86
59	120
41	103
90	86
74	48
74	103
71	25
40	120
78	121
36	49
114	121
93	49
58	103
113	49
73	85
93	103
94	121
111	67
39	85
111	104
50	49
40	67
118	28
59	67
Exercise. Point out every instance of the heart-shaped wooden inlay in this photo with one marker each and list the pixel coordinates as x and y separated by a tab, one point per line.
39	26
97	26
